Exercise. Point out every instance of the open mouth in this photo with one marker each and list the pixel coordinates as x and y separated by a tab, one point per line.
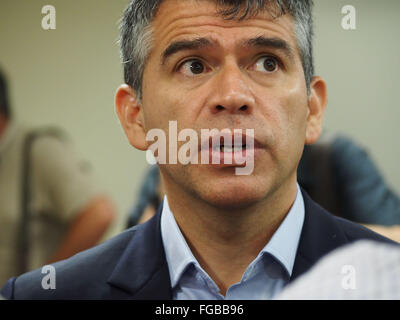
229	148
231	143
237	149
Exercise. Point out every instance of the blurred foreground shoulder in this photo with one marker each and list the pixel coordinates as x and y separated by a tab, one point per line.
362	270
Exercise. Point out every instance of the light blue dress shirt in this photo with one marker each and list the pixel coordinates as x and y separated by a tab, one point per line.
265	277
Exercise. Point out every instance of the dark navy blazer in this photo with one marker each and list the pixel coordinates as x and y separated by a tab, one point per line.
132	265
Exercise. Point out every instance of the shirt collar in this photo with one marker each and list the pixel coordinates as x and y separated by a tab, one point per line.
284	242
177	251
282	245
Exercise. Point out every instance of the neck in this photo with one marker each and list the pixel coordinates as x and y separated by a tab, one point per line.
226	241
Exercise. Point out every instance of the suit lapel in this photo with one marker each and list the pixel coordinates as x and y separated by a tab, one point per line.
319	236
142	271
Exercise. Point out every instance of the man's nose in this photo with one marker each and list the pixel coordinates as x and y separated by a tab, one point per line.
230	92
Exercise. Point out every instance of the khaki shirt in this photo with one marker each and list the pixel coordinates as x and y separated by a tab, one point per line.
61	185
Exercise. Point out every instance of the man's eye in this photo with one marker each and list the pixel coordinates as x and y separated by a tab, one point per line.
267	64
192	67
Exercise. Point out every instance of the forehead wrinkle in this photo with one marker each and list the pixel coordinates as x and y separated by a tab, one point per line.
174	15
178	27
173	23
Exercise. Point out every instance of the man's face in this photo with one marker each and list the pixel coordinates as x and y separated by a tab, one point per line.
207	72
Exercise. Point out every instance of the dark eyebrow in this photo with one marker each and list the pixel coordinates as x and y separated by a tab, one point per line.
177	46
275	43
200	43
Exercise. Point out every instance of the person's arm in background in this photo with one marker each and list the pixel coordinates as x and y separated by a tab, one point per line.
391	232
75	197
87	229
365	196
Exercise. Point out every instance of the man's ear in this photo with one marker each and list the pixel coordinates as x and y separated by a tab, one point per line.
130	115
316	108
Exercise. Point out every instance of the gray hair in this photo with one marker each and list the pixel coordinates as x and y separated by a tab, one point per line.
136	32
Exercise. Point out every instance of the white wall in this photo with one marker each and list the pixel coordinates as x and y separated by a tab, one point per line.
68	77
362	68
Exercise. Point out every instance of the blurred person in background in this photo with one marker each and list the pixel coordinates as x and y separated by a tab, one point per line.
50	205
148	199
342	177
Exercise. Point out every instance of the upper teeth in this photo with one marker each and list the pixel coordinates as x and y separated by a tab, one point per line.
230	148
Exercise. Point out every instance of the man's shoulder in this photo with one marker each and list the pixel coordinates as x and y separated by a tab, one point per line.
324	232
355	231
322	221
83	276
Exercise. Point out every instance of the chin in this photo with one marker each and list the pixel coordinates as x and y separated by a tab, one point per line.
233	197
